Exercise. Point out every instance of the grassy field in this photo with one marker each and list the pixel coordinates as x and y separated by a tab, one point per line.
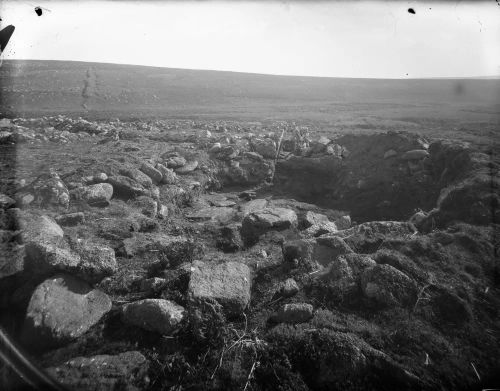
437	107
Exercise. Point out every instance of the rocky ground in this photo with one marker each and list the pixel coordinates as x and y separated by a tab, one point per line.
176	254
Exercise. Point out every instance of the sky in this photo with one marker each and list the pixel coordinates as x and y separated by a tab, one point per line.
336	39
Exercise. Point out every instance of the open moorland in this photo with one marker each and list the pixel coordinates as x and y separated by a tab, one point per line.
200	230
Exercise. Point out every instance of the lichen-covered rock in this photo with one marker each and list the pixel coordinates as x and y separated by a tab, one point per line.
61	309
388	286
228	283
158	315
123	371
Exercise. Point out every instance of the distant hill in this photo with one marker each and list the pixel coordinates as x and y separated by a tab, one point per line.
128	91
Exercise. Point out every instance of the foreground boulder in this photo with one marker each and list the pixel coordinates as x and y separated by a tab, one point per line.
388	286
158	315
270	219
103	372
62	309
228	283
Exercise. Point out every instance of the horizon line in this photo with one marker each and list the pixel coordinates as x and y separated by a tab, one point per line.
485	77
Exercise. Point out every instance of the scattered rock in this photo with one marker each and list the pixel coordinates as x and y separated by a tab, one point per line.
388	286
177	249
125	187
116	229
146	205
253	206
228	283
39	231
158	315
175	162
288	288
187	168
138	176
270	219
62	309
416	154
155	175
162	211
343	222
229	238
6	202
153	285
294	313
70	219
168	175
265	147
98	194
390	153
216	214
104	372
312	218
49	190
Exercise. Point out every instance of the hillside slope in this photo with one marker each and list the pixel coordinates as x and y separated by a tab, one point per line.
101	90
